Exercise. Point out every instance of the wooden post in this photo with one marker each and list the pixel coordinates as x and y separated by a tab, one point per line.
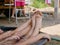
56	6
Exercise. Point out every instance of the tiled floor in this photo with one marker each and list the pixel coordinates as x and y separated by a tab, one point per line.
47	21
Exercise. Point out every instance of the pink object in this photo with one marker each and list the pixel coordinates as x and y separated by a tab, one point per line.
19	2
48	1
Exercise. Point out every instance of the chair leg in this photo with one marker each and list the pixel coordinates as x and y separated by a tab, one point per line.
16	18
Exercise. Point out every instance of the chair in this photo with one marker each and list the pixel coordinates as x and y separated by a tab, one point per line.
18	9
8	5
